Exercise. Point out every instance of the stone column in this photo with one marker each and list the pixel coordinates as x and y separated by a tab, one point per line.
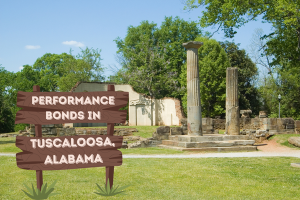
232	102
194	120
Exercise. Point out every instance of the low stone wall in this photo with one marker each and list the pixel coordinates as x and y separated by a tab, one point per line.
274	125
54	130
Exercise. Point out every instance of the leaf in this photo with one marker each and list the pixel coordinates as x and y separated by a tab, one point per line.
50	190
52	194
52	185
33	191
44	188
115	189
28	188
100	188
122	188
107	187
28	194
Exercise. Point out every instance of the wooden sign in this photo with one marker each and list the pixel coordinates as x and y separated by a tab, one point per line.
67	107
68	152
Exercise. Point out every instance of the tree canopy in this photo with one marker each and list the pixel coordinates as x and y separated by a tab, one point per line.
247	77
53	73
60	72
153	56
283	42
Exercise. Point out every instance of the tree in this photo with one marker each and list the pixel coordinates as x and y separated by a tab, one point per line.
152	57
6	116
287	84
248	93
258	51
86	68
61	72
283	43
213	63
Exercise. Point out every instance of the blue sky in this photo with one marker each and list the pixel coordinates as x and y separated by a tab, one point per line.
29	29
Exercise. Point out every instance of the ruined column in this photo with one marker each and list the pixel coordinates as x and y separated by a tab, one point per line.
232	102
194	120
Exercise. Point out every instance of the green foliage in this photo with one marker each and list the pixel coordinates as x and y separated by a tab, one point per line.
62	72
247	77
107	191
53	73
287	84
44	193
283	42
20	127
6	114
213	63
152	57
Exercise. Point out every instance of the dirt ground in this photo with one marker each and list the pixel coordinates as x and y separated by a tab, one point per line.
273	146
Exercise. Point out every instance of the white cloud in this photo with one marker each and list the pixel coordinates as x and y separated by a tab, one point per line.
21	67
74	43
32	47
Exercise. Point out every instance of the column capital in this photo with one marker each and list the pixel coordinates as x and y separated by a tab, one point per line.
192	44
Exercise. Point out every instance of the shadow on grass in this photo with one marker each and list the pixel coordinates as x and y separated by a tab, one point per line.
7	142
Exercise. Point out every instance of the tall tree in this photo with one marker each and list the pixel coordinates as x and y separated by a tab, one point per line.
85	68
153	56
61	72
6	115
283	42
258	51
248	75
213	63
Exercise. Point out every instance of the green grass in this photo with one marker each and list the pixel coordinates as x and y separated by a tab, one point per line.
7	145
143	131
201	178
151	150
283	139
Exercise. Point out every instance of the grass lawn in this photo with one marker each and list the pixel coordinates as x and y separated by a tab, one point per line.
153	178
283	139
143	131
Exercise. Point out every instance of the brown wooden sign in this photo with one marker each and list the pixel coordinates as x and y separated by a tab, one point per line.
68	152
67	107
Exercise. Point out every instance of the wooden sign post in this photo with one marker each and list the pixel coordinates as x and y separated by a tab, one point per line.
38	134
70	152
110	131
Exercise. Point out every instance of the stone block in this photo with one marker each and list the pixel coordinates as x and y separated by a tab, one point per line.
294	141
70	131
297	123
280	122
94	132
58	125
123	133
207	121
263	114
48	126
290	126
176	131
185	132
245	113
163	129
160	136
